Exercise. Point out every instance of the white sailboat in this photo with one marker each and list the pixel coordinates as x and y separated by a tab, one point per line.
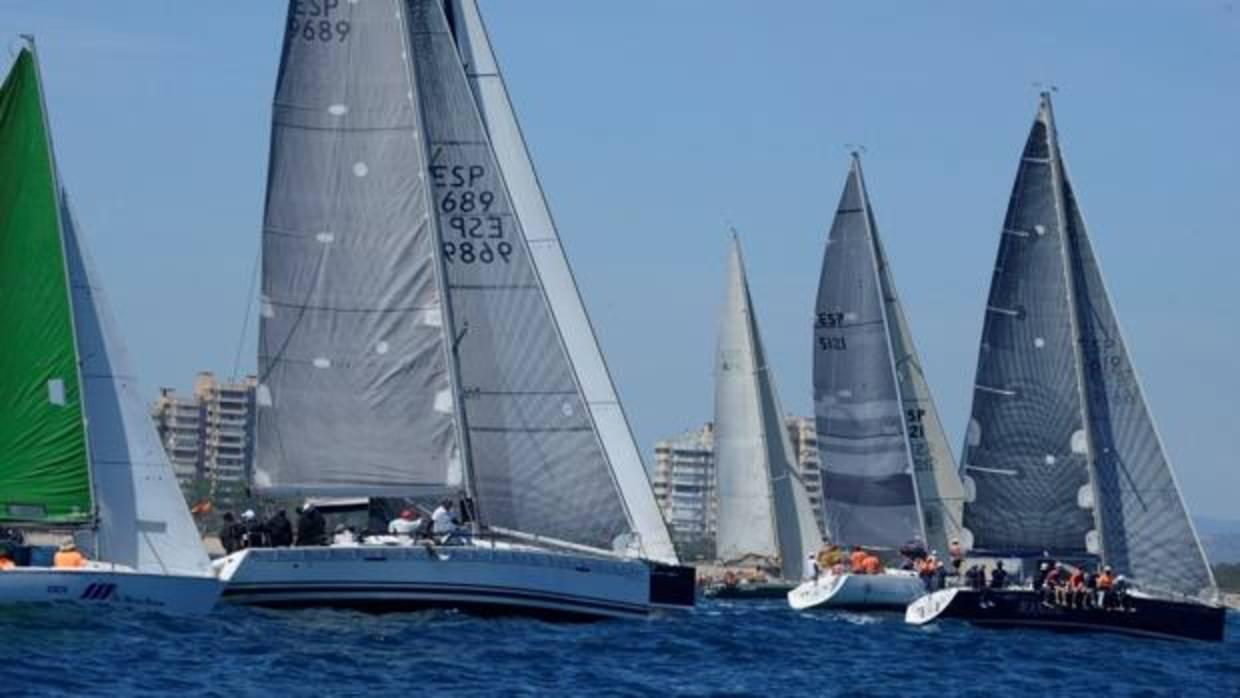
422	337
78	454
888	474
765	517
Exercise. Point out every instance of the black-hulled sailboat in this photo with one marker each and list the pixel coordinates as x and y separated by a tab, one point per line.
422	337
888	473
1062	459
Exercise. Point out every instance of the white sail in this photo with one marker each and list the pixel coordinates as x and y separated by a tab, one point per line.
764	509
547	254
143	520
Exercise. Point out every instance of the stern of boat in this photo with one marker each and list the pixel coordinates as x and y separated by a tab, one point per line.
672	586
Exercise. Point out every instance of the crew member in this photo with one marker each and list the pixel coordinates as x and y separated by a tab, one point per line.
956	553
443	524
872	565
255	534
230	533
856	561
1106	582
999	576
1076	588
6	562
404	525
311	526
68	556
280	529
1051	584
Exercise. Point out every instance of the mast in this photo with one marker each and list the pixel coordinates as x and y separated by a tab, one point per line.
60	227
895	378
452	339
1057	179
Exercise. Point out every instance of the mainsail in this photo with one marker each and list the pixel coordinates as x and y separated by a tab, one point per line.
1061	451
547	255
409	341
764	510
44	468
888	474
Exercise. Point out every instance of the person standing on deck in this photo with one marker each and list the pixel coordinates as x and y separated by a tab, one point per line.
999	576
280	529
956	553
856	561
311	526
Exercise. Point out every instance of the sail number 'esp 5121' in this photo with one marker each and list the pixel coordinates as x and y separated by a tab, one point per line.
475	234
317	20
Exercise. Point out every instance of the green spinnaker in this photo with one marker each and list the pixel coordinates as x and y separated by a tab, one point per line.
44	470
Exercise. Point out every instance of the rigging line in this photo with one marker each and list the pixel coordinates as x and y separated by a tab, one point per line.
245	317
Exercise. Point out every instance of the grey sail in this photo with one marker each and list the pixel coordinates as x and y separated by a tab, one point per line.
1026	454
549	260
764	510
1063	453
537	462
1145	526
869	494
143	520
939	488
356	396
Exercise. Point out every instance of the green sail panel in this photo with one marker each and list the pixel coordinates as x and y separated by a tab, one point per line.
44	471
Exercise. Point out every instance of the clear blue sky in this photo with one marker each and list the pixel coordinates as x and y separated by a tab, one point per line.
655	122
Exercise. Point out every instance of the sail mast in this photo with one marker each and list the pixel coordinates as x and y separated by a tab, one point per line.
452	338
1057	181
60	228
895	378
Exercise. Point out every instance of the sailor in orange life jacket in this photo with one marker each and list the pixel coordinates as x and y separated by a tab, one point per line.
872	565
68	556
1106	582
857	560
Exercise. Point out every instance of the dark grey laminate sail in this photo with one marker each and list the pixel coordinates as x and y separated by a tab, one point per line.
1061	451
869	495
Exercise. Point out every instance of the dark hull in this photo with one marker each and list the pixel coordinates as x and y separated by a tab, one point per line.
744	592
1148	617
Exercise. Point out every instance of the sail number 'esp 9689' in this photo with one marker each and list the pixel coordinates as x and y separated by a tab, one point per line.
475	234
317	20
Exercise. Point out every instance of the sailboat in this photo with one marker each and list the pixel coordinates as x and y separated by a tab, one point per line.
765	518
889	478
1062	460
422	337
78	454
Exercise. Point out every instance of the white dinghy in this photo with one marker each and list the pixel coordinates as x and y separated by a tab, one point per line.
422	337
79	456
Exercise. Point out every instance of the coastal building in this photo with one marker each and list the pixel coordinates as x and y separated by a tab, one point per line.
209	436
684	483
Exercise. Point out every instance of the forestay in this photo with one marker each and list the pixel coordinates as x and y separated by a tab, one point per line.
869	494
764	510
547	255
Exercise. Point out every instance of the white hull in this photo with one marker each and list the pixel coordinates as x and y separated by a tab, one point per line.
105	585
480	578
892	590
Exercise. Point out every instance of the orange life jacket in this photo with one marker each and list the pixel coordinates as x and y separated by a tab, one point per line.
6	564
1105	581
871	565
69	558
857	559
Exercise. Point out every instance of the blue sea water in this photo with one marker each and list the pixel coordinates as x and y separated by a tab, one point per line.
749	648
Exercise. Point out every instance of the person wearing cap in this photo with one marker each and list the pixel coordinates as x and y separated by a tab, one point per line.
404	525
256	534
1106	582
68	556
